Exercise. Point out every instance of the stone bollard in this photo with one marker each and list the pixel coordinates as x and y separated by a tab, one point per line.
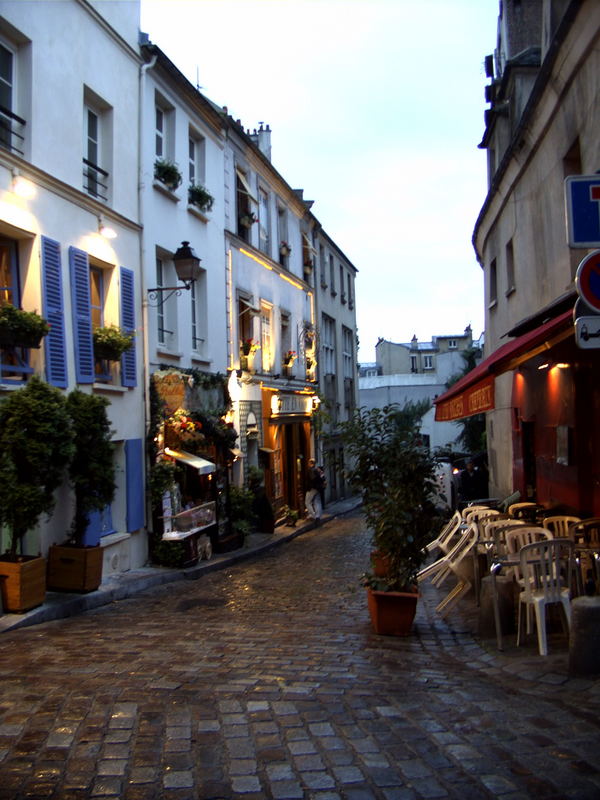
584	637
506	606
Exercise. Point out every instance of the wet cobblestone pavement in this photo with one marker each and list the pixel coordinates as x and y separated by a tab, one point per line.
264	680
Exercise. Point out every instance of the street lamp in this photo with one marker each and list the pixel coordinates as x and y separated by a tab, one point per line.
187	267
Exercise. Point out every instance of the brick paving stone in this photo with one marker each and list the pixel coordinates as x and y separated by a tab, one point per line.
288	694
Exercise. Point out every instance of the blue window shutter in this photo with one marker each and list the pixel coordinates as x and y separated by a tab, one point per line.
128	359
56	357
136	497
82	319
99	524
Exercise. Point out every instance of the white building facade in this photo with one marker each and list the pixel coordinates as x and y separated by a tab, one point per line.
61	186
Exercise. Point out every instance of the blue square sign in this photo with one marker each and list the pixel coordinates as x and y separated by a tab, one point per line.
582	196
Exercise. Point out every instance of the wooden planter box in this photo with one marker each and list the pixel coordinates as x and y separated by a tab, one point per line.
74	569
23	583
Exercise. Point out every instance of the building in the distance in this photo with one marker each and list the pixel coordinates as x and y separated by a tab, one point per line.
415	372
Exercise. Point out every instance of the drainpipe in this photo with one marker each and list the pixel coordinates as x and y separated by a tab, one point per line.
146	365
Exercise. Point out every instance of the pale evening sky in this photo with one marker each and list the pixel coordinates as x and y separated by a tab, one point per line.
376	109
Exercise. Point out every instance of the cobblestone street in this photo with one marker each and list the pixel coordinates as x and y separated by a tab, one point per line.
264	680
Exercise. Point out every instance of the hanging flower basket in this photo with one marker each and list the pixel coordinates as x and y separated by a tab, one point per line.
289	358
111	342
284	249
248	220
249	347
20	328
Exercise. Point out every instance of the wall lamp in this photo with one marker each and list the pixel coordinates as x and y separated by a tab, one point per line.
22	187
105	230
187	267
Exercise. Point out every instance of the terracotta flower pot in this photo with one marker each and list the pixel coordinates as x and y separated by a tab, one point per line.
392	613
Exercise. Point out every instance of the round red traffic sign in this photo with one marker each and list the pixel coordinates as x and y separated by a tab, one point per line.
587	280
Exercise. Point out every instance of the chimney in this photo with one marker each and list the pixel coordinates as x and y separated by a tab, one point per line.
264	140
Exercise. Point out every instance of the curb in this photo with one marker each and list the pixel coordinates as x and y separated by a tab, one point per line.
59	605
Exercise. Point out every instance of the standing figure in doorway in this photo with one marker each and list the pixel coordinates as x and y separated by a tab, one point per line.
313	494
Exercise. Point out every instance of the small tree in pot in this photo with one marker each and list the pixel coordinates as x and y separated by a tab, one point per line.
35	449
92	478
396	476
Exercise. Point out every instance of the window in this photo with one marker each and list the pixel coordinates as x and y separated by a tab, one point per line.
427	362
328	346
263	221
342	284
199	313
89	286
347	352
245	319
11	124
510	268
350	297
166	310
332	276
286	333
323	267
493	285
451	344
196	158
159	135
96	145
265	336
14	364
160	310
246	203
308	252
414	367
282	231
192	161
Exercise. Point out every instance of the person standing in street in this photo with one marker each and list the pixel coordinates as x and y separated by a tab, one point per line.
313	494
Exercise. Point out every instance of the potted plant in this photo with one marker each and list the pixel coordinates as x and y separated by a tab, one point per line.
167	172
20	328
200	197
396	477
35	449
111	342
284	249
248	220
73	566
289	357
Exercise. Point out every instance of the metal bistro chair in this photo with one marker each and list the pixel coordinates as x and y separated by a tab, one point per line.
546	569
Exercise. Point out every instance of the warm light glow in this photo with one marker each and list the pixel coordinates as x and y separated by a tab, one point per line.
544	366
562	365
256	258
24	188
105	230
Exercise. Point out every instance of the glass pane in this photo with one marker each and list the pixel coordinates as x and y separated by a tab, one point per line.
6	65
6	278
96	296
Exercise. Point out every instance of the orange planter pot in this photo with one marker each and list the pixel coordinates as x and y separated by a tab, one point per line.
392	613
23	583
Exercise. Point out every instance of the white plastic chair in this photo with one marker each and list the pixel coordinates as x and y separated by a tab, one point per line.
516	507
546	569
444	538
448	564
559	525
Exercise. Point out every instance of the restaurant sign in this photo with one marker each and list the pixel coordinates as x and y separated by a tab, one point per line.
475	399
291	405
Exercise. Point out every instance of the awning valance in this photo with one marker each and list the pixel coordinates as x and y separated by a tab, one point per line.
203	466
474	392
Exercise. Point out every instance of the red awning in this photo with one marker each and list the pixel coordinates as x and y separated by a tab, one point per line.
474	392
